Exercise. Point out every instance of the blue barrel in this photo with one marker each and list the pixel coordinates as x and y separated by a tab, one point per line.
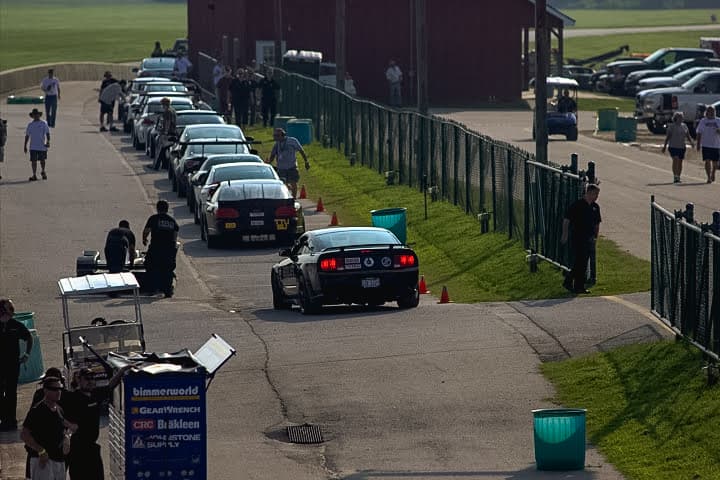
26	318
394	219
559	438
281	122
606	119
33	369
302	129
626	129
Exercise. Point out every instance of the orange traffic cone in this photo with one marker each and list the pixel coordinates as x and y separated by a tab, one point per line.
303	193
334	220
422	288
320	207
444	298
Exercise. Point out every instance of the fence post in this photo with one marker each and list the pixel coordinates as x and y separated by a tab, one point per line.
443	159
653	253
456	163
481	174
574	163
494	187
468	176
510	170
526	193
401	143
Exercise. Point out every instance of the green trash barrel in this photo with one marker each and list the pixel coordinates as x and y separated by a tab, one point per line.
300	128
606	119
559	438
33	99
394	219
33	368
281	121
626	129
26	318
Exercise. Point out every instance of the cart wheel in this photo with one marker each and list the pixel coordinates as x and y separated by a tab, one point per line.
98	322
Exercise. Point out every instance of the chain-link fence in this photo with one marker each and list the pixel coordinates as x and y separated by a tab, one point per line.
685	285
525	199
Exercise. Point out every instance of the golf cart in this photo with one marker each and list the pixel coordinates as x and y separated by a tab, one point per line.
90	263
560	120
88	344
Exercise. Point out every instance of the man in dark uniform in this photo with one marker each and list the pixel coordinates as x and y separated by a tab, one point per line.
579	222
83	408
167	126
268	102
160	257
11	332
566	104
240	89
120	244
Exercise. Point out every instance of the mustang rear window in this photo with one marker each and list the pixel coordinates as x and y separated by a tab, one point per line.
253	191
195	119
354	237
212	132
259	172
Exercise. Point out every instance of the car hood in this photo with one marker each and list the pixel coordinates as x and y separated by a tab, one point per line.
654	80
661	91
621	63
643	73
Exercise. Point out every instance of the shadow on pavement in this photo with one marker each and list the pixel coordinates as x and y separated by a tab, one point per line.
332	312
526	474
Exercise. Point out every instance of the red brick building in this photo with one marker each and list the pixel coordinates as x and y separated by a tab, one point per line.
475	48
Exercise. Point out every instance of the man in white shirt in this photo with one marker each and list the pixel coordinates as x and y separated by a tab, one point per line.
182	65
51	89
394	77
38	133
708	139
108	95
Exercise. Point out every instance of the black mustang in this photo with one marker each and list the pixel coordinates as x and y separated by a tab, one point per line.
362	265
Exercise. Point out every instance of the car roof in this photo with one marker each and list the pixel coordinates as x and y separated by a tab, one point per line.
246	158
237	183
150	80
166	94
211	140
198	126
562	82
179	99
235	164
207	112
157	61
323	231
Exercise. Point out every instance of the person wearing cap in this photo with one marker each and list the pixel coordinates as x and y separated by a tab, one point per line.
38	134
45	434
11	332
82	407
50	86
167	128
284	150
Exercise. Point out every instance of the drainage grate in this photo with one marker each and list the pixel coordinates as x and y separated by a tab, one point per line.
305	434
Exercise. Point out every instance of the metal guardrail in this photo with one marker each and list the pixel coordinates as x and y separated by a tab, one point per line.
685	275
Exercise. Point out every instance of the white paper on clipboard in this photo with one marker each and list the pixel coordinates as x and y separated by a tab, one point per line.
214	353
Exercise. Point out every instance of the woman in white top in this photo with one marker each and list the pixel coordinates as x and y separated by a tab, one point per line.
677	133
708	138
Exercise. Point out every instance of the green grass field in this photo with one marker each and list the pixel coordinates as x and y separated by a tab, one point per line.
640	18
649	409
452	251
55	31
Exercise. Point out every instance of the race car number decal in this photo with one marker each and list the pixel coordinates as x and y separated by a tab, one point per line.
282	223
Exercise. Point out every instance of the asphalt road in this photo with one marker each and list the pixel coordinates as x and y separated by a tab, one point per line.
629	174
436	392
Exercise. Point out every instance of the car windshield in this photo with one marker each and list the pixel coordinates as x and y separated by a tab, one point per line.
694	82
212	131
209	148
158	63
165	88
183	120
655	56
177	104
348	238
221	159
252	191
251	171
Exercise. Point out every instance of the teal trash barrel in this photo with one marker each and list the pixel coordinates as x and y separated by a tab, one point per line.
26	318
626	129
607	119
394	219
300	128
33	369
12	99
281	122
559	438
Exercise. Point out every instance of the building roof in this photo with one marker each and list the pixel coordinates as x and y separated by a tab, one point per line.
567	21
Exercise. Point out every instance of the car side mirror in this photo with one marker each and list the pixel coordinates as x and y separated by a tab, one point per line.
285	252
250	139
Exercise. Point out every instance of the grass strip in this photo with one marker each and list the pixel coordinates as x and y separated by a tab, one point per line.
594	18
650	410
452	252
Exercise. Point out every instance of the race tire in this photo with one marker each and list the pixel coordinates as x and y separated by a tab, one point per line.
213	241
279	300
656	127
308	306
411	300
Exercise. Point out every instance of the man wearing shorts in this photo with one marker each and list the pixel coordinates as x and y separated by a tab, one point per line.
3	140
106	109
708	139
38	134
284	150
677	133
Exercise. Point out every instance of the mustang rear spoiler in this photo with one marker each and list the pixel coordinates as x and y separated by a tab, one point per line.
342	249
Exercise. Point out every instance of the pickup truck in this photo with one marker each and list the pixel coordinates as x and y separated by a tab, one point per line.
656	107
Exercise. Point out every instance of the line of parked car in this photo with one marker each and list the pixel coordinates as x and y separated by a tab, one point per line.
237	198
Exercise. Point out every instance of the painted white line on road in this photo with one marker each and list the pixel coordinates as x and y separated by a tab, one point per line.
642	311
206	290
634	162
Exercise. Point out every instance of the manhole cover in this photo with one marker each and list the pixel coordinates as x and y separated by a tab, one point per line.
305	434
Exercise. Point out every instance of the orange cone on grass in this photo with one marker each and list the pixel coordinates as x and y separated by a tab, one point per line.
444	298
303	193
422	287
334	220
320	207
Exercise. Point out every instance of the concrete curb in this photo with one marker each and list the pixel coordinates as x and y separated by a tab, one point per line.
25	77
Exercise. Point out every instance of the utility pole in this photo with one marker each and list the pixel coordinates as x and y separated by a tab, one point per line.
340	62
542	52
421	55
278	32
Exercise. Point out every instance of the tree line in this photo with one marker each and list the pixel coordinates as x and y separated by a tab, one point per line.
634	4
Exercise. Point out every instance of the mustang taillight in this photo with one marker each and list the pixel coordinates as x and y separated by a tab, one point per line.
674	102
225	212
285	211
404	261
328	264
